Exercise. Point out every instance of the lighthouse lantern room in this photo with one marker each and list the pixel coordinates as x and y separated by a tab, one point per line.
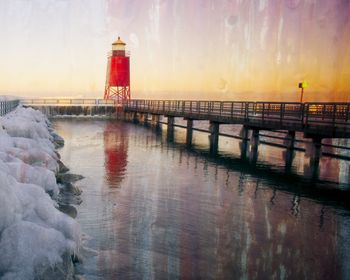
118	73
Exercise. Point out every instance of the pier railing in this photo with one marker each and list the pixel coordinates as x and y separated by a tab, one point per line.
330	119
7	106
325	119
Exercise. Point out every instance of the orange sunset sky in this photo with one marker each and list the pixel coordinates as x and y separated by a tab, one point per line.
195	49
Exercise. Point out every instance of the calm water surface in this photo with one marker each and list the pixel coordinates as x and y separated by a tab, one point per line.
155	210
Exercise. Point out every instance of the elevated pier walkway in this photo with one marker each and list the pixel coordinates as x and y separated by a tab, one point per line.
324	120
315	121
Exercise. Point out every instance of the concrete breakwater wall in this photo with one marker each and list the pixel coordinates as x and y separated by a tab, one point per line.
83	110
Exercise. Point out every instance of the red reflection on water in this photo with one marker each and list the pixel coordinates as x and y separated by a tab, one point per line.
116	153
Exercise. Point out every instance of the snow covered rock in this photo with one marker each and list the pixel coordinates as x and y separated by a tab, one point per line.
36	239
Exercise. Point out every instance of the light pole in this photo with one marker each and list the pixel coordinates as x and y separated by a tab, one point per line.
302	85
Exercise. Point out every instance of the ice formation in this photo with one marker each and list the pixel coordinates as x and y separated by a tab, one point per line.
34	234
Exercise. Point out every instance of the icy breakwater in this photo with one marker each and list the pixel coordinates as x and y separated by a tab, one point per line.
36	239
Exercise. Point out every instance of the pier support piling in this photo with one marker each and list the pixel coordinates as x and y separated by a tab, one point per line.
315	155
289	142
254	143
155	120
189	132
214	128
170	128
135	118
243	145
313	152
155	124
144	118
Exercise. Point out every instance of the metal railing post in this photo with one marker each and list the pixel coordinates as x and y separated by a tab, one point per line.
232	109
245	112
282	108
263	112
323	111
334	114
306	114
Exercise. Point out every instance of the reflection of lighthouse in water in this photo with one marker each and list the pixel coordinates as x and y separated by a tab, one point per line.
116	153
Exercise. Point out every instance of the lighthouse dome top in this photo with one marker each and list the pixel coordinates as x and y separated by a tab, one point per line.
118	42
118	47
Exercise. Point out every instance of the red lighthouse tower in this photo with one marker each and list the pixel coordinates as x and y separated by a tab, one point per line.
118	73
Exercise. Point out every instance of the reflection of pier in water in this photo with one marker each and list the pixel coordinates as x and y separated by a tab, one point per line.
331	151
238	224
266	247
327	192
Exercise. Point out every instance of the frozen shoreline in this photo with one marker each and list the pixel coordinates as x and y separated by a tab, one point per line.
36	239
